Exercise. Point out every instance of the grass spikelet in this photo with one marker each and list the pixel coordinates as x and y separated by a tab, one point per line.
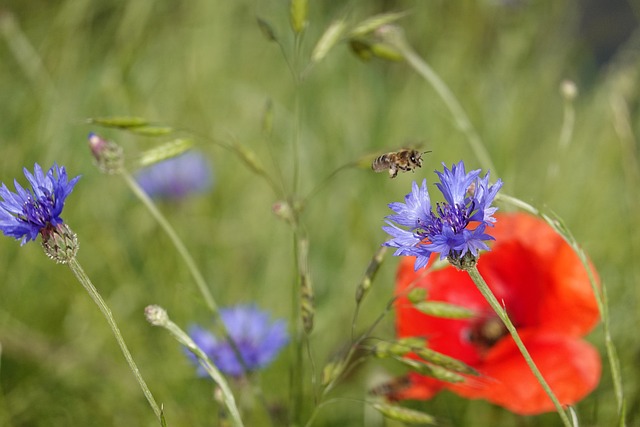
332	370
250	159
122	122
444	361
417	346
298	15
151	130
405	415
267	30
165	151
306	288
444	310
430	370
374	22
328	40
370	273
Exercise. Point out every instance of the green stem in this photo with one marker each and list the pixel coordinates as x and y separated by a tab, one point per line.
186	256
600	294
501	312
395	37
93	293
296	378
159	317
180	247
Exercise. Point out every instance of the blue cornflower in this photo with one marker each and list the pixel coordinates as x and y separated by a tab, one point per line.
177	177
454	228
28	212
257	338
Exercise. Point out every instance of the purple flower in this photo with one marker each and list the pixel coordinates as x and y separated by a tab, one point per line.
257	338
453	228
27	212
177	177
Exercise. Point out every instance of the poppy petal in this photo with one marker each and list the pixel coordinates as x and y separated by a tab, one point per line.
570	366
530	257
444	335
547	294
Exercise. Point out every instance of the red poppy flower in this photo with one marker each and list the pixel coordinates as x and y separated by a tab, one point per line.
546	292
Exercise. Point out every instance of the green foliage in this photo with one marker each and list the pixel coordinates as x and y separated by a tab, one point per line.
205	68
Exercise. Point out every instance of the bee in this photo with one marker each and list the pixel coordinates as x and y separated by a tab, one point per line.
406	159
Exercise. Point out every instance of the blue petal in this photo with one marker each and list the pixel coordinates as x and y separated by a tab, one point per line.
416	209
454	183
25	212
257	338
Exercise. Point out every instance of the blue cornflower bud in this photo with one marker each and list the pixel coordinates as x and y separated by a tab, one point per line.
455	228
28	212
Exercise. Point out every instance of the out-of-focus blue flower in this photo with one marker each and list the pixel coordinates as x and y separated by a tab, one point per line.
177	177
258	339
455	227
27	212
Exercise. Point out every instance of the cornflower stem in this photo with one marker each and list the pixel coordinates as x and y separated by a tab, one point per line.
177	242
159	317
501	312
188	259
104	308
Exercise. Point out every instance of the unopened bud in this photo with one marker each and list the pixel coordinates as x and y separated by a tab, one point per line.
156	315
465	262
60	243
109	155
569	90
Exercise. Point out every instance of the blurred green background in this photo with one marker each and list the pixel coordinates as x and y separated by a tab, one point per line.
206	67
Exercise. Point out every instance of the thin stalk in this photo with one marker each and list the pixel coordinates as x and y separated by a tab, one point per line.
296	371
188	259
564	140
600	295
395	37
104	308
295	379
177	242
158	316
501	312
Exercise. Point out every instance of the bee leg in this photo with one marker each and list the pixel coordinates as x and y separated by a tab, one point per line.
393	171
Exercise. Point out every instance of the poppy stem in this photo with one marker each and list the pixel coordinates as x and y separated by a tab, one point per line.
502	313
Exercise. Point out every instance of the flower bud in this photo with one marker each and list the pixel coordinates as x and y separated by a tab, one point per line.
109	155
60	243
156	315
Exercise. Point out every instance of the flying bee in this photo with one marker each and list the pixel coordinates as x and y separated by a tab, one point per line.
406	159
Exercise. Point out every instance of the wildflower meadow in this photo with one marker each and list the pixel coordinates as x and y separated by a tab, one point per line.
297	213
